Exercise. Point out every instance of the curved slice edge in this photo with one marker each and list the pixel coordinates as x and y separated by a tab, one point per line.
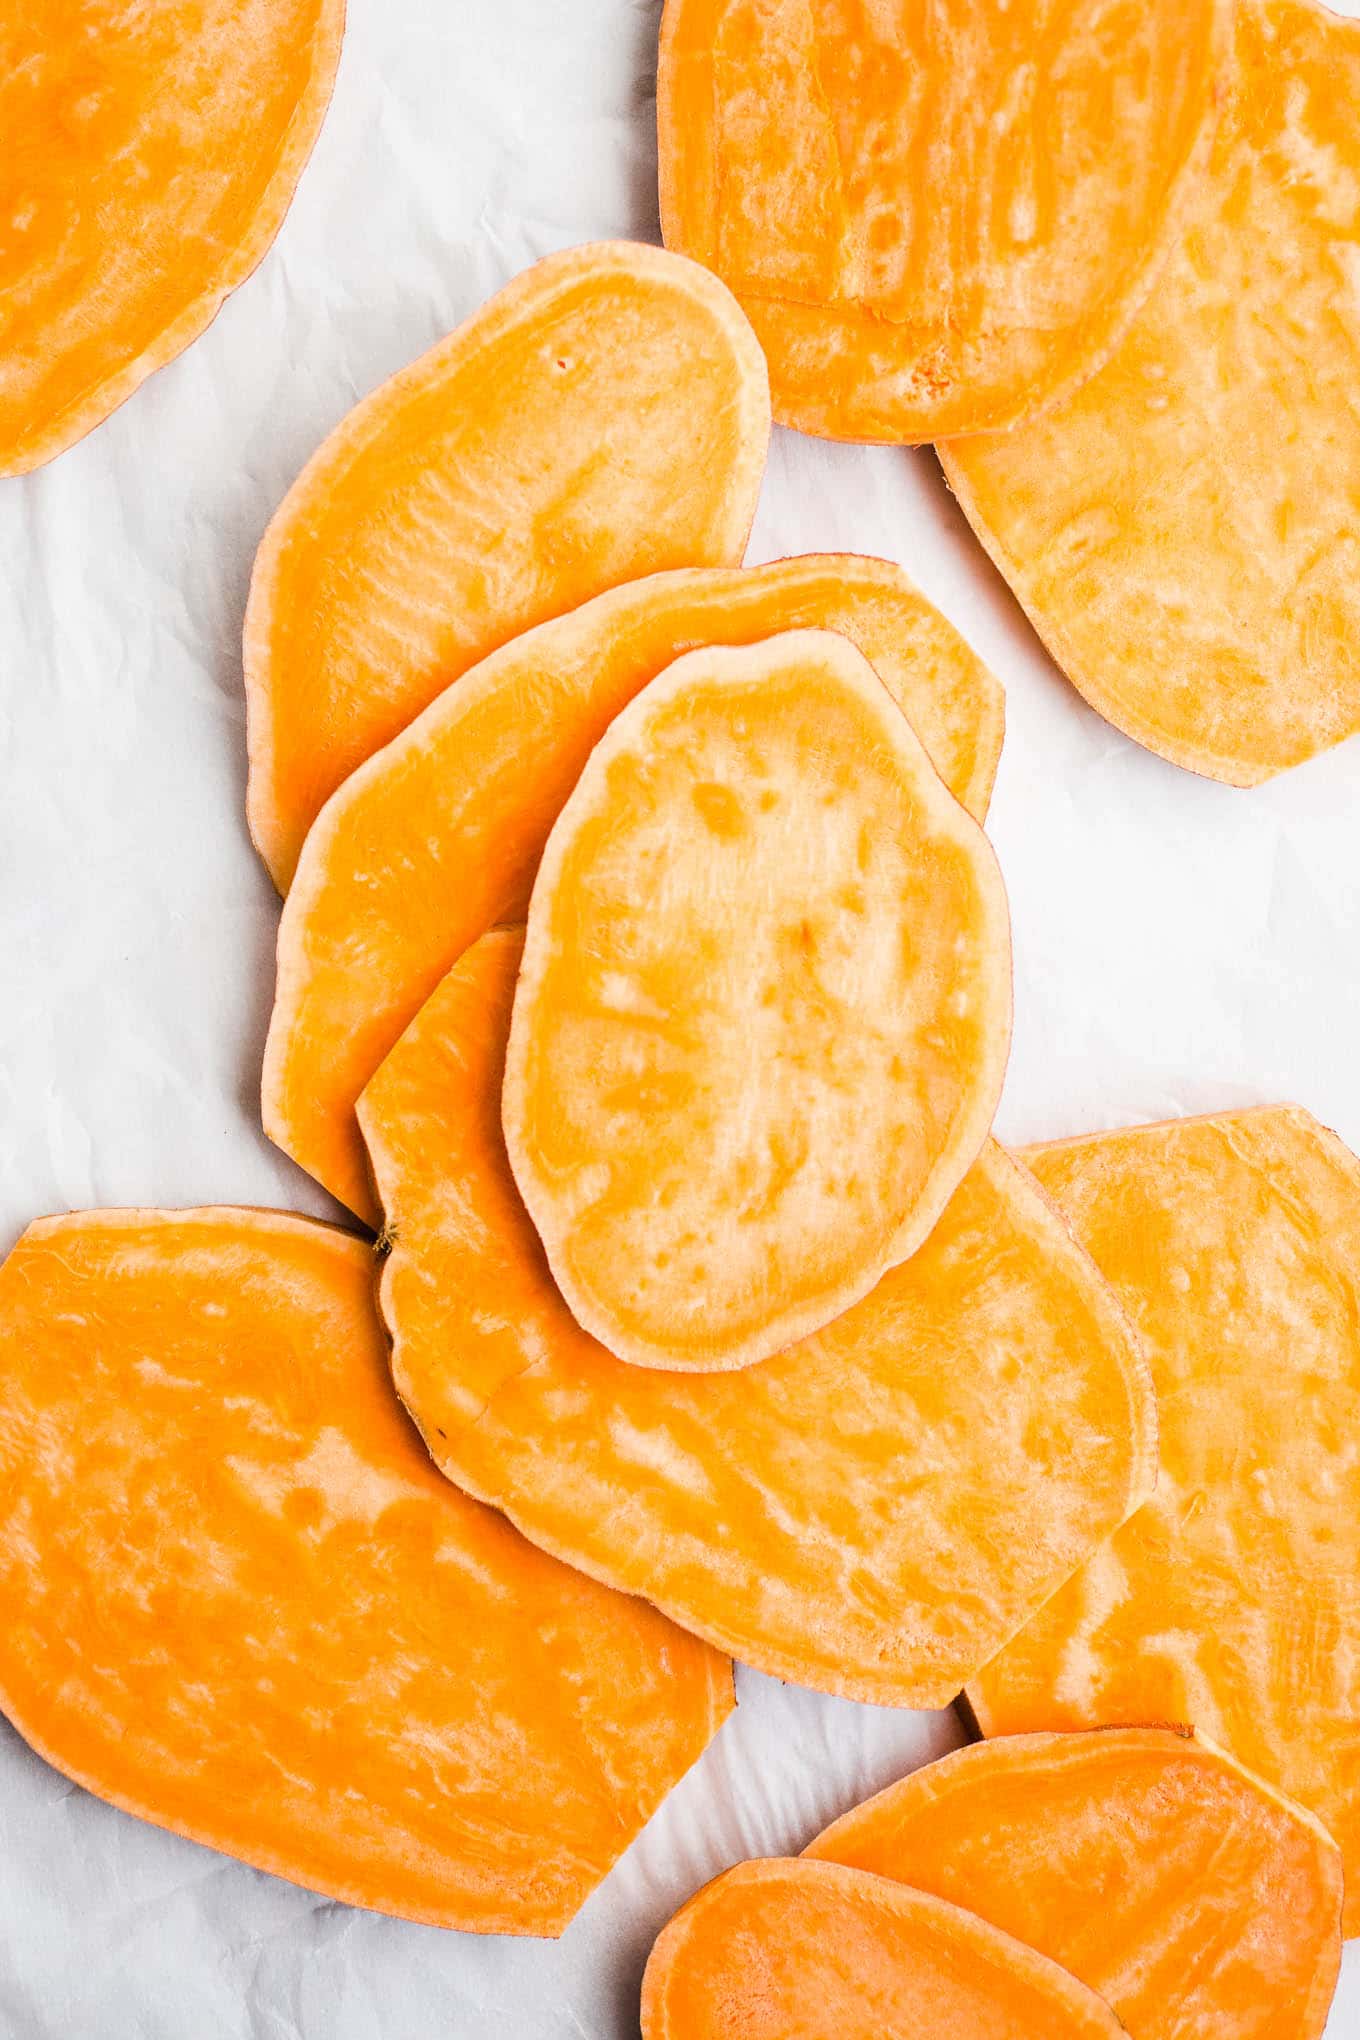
525	1918
271	829
946	819
74	423
965	1938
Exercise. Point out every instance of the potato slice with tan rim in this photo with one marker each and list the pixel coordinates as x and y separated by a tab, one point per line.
763	1011
1192	1897
605	415
871	1513
812	1951
1231	1601
237	1599
438	836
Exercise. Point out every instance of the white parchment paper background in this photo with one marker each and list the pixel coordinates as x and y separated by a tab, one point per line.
1180	946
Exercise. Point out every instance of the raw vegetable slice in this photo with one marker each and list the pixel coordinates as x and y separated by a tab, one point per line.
437	837
796	1950
1184	1891
763	1010
1231	1601
150	154
1184	531
237	1599
871	1513
938	215
604	416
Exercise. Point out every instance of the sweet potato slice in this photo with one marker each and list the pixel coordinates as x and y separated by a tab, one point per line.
938	215
783	1950
1231	1601
438	836
871	1513
1183	532
150	154
763	1011
237	1599
604	416
1185	1892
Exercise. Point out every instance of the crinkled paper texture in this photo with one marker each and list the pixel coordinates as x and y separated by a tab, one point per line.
1179	946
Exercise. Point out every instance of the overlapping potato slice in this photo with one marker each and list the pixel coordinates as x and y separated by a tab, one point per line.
1231	1601
150	154
1189	1895
1185	531
870	1513
937	214
438	836
807	1951
763	1011
237	1599
606	415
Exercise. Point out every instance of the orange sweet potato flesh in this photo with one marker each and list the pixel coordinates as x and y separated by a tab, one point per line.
438	836
764	1007
1231	1601
237	1599
149	156
604	416
782	1950
938	215
871	1513
1194	570
1186	1893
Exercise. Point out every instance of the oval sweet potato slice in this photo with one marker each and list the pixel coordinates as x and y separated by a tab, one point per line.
763	1011
1185	1892
438	836
783	1950
938	215
871	1513
1183	531
604	416
150	154
1231	1601
237	1599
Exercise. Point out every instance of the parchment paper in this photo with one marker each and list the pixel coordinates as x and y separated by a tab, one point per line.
1180	946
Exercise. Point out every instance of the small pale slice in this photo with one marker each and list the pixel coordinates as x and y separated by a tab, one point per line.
764	1008
148	154
605	415
1231	1601
438	836
237	1599
939	214
1197	1901
871	1513
1184	532
781	1950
